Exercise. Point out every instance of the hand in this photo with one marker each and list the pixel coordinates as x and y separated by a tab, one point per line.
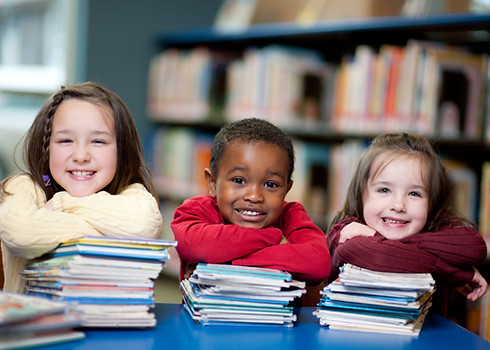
355	229
475	289
189	270
49	205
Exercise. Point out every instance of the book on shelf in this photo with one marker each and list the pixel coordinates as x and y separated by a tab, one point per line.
109	279
284	85
372	301
465	183
239	295
310	179
189	152
187	84
28	321
425	87
486	125
484	224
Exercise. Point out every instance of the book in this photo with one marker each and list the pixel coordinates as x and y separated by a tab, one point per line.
115	247
484	225
226	294
373	301
109	279
27	321
36	339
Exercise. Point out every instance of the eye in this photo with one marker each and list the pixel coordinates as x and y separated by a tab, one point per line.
415	194
271	184
384	190
64	141
238	180
99	142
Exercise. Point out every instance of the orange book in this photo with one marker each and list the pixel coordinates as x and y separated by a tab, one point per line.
394	55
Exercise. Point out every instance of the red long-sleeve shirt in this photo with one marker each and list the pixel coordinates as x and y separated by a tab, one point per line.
448	254
203	236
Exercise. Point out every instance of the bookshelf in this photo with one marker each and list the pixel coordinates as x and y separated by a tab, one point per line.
333	41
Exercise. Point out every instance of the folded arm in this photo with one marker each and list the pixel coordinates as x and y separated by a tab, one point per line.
305	255
203	236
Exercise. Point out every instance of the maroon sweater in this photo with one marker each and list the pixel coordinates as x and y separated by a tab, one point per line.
448	254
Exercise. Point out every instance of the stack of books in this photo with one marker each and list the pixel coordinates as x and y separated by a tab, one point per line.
231	295
372	301
110	280
27	321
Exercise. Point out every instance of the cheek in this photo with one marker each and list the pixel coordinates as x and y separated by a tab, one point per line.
55	158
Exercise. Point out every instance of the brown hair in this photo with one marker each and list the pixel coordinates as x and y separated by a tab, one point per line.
131	166
395	145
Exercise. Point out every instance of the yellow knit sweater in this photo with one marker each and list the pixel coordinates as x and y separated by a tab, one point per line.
28	230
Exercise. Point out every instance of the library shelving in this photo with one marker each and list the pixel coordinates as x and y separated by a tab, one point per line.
293	74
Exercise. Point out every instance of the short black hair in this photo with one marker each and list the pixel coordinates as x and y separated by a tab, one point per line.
250	130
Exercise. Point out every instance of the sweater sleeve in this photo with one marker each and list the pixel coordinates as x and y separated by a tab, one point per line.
306	255
27	229
132	213
424	252
203	236
458	245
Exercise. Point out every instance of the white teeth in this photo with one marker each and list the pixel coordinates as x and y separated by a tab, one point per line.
250	213
82	173
390	221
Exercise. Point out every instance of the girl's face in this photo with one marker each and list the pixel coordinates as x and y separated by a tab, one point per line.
251	184
396	199
82	149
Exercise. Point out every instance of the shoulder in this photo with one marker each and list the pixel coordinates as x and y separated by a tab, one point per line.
18	183
135	189
206	202
292	206
202	207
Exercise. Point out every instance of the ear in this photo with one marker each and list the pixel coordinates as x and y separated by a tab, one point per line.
211	180
290	184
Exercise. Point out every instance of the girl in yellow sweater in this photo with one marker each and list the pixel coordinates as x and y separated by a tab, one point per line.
86	176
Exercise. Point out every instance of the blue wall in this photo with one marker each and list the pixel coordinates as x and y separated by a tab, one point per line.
121	39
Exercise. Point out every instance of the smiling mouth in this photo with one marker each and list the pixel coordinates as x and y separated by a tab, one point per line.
392	221
249	212
82	173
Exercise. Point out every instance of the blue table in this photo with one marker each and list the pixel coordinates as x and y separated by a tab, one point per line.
176	330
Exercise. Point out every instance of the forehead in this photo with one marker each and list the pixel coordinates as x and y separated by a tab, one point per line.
83	111
413	165
259	153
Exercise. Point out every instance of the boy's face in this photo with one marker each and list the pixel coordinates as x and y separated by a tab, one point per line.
251	183
82	149
396	201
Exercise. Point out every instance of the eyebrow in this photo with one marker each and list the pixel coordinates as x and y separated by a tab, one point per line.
388	183
68	131
269	173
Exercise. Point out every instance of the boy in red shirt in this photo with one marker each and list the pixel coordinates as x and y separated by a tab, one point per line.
244	220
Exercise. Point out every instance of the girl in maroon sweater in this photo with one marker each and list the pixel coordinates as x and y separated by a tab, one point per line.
398	217
244	220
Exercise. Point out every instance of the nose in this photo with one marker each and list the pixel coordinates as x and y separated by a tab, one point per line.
253	193
398	204
81	154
